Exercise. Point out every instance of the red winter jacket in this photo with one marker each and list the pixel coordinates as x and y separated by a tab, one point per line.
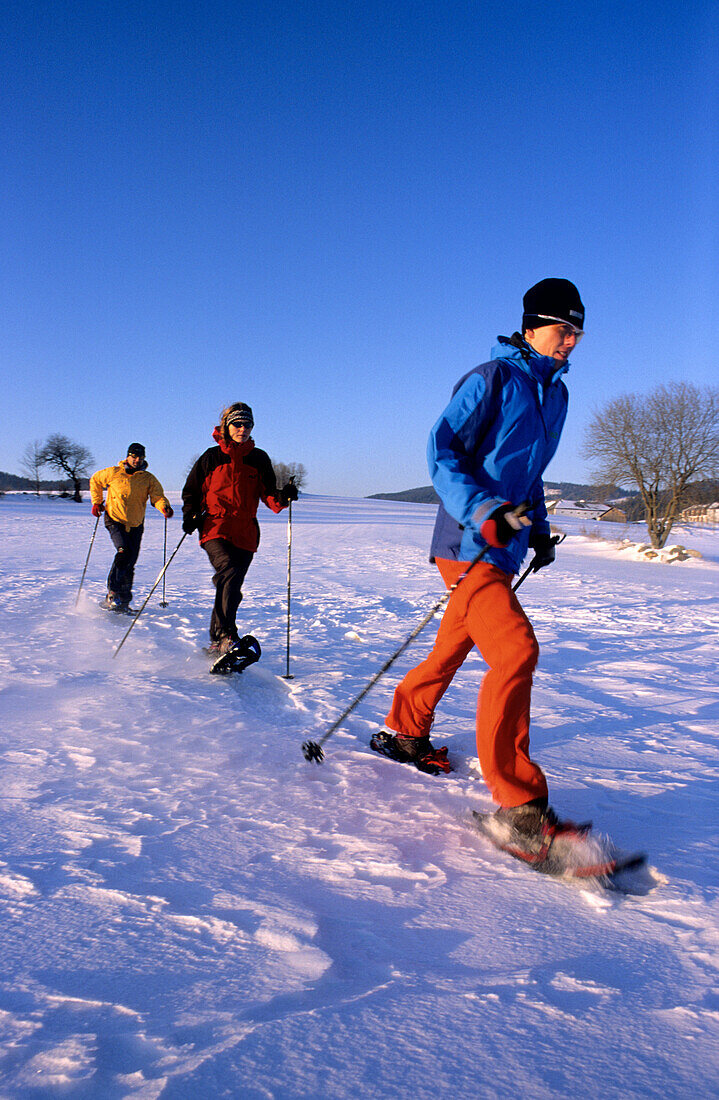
225	487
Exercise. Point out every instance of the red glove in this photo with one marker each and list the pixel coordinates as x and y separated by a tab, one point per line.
97	510
168	512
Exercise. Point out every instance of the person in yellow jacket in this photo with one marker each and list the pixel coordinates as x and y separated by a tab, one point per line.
129	486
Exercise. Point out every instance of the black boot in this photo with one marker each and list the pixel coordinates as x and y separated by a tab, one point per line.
412	750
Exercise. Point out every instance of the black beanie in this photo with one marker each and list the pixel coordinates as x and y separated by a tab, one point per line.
136	449
551	302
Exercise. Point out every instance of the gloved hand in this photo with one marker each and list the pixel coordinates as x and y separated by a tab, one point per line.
501	525
190	523
287	493
97	510
544	552
168	512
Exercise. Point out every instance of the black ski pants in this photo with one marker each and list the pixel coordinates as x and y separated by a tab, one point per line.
127	545
230	564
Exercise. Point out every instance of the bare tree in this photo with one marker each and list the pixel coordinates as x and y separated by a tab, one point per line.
69	458
32	463
661	442
285	470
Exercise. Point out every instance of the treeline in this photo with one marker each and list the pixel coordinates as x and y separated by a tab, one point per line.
15	483
698	492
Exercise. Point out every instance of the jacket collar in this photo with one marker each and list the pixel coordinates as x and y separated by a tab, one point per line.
230	448
543	368
129	469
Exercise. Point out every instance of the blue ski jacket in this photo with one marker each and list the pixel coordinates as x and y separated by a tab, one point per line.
491	445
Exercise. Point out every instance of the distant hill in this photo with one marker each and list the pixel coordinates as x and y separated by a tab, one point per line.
567	490
424	495
572	490
12	481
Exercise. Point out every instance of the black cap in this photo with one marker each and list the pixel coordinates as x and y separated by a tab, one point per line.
136	449
551	302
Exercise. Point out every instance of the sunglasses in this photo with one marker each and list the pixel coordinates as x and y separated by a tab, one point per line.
578	332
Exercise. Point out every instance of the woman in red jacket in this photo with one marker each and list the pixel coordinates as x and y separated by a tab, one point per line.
220	499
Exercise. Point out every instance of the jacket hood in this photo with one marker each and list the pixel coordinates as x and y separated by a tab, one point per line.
228	447
542	367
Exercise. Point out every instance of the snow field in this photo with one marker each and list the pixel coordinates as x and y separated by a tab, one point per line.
190	909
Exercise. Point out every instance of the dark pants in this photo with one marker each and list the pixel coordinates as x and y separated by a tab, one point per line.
127	544
230	565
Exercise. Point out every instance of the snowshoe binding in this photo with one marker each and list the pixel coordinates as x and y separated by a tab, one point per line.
412	750
237	657
114	603
534	835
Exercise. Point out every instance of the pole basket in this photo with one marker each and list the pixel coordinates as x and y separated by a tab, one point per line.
312	752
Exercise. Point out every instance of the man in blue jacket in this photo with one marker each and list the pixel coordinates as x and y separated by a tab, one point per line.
487	453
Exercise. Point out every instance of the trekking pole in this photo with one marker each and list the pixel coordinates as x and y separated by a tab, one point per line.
287	675
147	598
555	541
87	560
312	750
163	601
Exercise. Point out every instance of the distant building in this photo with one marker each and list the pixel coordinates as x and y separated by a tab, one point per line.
614	515
702	513
586	509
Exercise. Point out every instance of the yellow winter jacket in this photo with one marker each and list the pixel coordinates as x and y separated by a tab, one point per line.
127	494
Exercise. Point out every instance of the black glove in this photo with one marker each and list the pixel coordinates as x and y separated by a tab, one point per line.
501	525
190	523
544	552
287	494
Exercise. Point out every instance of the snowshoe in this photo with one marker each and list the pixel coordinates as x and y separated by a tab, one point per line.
238	657
411	750
112	603
538	838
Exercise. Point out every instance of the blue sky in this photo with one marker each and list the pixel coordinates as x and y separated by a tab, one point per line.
330	210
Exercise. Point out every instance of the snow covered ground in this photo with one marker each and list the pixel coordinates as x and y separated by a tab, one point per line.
189	909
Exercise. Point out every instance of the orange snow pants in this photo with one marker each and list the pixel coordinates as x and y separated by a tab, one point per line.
482	611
